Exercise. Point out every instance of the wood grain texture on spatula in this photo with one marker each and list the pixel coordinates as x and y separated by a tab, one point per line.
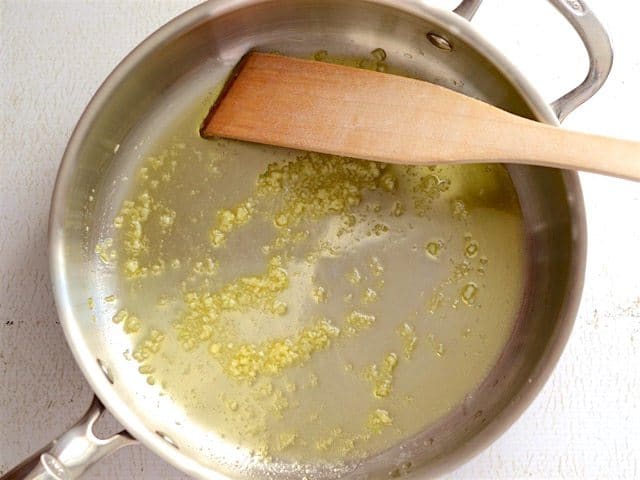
327	108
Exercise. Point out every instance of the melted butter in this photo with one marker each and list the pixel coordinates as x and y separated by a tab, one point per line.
290	301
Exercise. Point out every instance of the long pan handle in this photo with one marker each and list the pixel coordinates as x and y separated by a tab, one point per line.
72	453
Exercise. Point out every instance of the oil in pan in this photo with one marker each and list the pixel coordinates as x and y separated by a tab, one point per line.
305	307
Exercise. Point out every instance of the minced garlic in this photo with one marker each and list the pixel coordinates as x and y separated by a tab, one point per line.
381	376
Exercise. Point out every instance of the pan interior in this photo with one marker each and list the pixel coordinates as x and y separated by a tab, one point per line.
411	327
308	308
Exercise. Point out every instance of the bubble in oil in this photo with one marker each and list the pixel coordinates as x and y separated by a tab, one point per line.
434	248
398	209
468	293
379	54
471	249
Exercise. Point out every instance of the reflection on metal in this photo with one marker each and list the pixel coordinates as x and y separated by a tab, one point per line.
107	372
167	439
439	41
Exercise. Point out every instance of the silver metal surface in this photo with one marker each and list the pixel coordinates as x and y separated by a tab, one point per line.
598	46
72	453
467	8
207	41
596	42
439	41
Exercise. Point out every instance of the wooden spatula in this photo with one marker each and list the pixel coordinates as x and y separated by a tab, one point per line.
328	108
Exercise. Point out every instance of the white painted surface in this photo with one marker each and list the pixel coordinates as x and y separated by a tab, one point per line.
53	56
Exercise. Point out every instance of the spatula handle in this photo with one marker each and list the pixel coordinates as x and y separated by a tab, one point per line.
524	141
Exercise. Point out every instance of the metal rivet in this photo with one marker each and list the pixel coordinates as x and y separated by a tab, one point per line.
167	439
105	370
439	41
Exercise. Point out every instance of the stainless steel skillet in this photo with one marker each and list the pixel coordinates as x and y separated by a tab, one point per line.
217	34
